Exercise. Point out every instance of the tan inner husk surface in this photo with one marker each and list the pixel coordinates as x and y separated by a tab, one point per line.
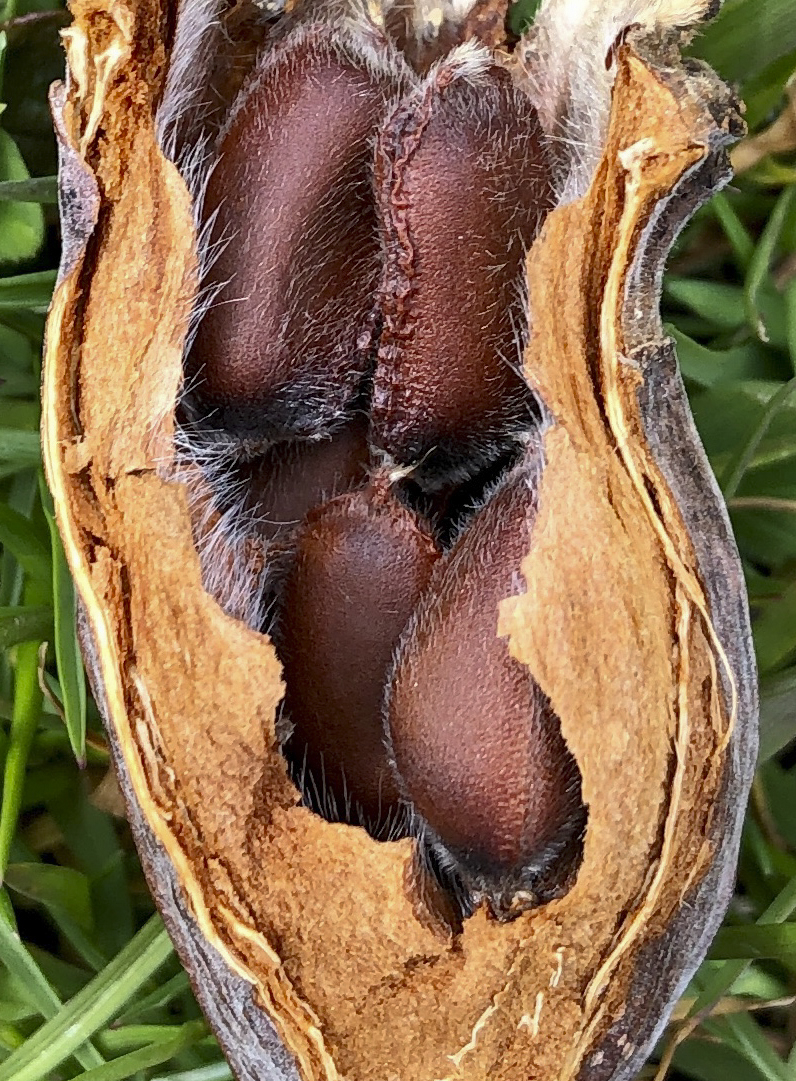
316	915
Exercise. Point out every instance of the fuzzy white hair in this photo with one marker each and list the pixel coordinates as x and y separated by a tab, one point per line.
198	25
567	56
428	15
232	554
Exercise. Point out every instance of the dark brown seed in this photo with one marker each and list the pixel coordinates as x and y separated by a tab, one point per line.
476	745
290	479
282	350
463	182
361	563
281	486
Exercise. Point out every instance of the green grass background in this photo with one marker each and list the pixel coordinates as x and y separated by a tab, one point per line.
89	985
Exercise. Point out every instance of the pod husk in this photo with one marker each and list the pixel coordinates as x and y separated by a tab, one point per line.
300	936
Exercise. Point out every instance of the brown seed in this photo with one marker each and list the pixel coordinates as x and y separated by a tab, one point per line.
285	483
361	562
463	182
284	346
475	743
272	494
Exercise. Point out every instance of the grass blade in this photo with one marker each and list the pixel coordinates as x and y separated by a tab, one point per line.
217	1071
741	242
20	447
24	719
775	632
95	847
737	468
91	1008
720	982
156	999
760	262
124	1038
42	994
25	624
777	713
790	319
32	291
40	189
69	662
56	888
776	940
153	1055
19	536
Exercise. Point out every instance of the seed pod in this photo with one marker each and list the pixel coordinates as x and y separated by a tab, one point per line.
475	743
294	247
463	183
303	944
361	562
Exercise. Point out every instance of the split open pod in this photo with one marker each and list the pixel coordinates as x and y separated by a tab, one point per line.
408	598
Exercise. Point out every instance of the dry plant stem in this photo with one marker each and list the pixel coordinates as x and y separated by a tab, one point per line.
777	138
299	936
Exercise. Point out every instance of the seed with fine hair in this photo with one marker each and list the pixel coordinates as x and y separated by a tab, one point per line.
289	479
372	308
463	184
475	743
283	348
361	562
